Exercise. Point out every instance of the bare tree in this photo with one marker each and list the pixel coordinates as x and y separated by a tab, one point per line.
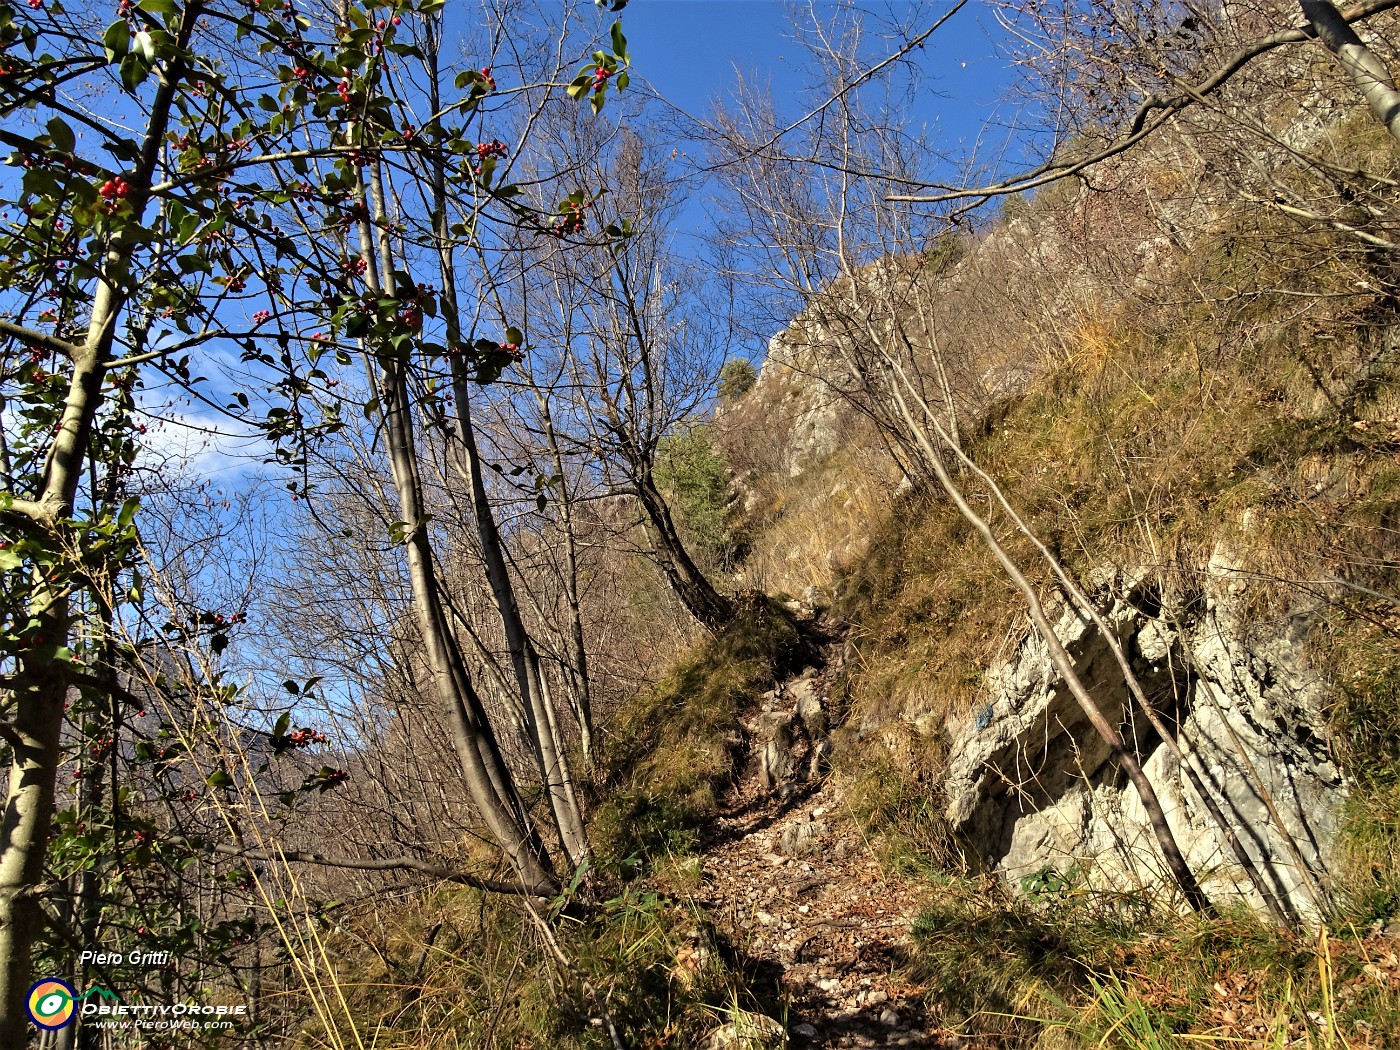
864	323
637	358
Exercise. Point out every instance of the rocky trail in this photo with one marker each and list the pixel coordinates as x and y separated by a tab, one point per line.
797	891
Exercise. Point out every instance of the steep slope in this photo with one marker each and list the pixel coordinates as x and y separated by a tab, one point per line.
1192	400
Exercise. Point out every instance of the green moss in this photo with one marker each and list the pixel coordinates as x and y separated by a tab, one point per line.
677	745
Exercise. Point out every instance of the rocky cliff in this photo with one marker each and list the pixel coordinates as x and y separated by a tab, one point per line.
1036	796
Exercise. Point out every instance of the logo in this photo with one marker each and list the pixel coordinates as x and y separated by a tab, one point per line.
50	1004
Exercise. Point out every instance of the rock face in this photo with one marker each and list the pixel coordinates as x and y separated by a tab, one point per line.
790	733
1035	793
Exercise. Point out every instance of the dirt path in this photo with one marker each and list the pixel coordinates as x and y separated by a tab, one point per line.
796	889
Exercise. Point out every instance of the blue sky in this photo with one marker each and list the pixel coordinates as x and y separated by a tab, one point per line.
688	49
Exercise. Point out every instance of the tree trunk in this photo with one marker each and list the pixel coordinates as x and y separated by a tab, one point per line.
1279	907
544	729
40	687
488	779
691	586
577	665
1064	664
1357	60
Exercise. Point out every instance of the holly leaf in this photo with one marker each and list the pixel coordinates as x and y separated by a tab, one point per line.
62	135
117	40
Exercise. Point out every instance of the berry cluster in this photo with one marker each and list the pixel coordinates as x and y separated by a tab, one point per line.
600	78
115	188
305	737
356	212
571	216
487	151
113	192
486	76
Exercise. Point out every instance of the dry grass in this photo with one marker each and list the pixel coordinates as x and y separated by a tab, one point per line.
1078	969
676	745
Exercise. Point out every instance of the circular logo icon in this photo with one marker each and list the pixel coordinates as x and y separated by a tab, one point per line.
50	1004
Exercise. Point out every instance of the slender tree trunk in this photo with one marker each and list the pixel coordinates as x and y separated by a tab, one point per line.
1357	60
545	739
1278	907
544	729
40	688
577	664
634	429
487	777
39	695
1064	664
696	592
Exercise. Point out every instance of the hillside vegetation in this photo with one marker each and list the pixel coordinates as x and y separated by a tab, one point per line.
1174	421
1010	658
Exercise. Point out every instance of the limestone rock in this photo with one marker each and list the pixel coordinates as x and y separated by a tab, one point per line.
1034	789
791	736
799	837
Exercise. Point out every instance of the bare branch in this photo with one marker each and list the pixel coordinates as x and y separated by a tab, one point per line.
1154	112
1365	68
423	867
29	335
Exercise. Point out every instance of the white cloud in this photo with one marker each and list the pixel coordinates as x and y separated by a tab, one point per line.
194	439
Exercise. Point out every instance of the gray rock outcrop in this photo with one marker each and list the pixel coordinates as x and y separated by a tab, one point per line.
1036	794
790	734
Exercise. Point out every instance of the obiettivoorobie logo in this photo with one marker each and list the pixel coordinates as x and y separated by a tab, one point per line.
51	1004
